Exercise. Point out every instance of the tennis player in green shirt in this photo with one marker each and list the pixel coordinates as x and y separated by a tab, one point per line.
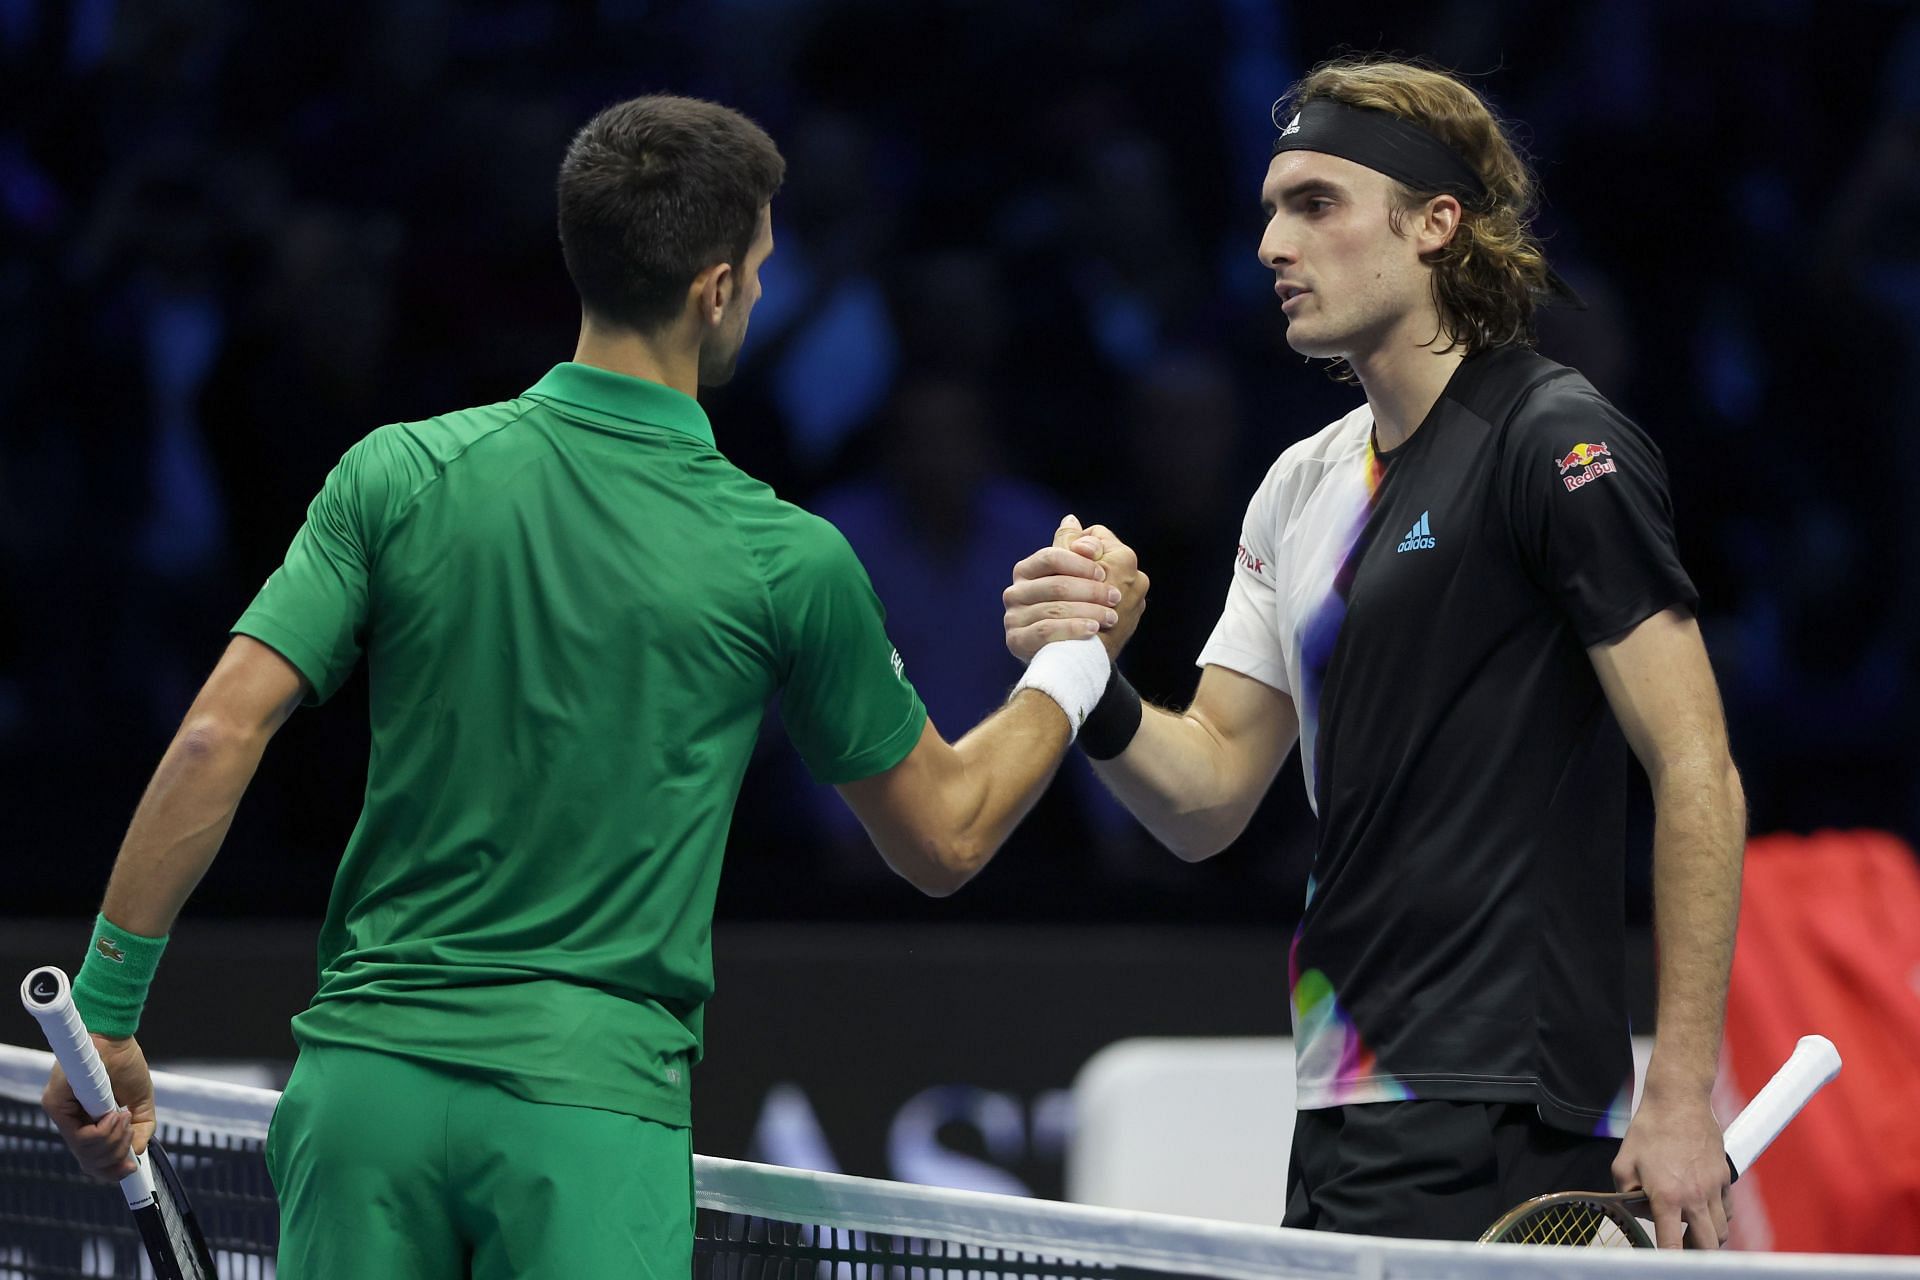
574	612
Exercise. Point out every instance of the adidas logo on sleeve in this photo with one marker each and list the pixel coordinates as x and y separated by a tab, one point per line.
1420	537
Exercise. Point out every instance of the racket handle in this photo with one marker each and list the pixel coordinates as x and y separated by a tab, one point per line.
1814	1062
48	996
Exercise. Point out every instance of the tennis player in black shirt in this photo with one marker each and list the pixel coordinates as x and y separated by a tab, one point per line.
1463	600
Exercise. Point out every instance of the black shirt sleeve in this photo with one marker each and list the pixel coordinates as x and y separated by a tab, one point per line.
1590	513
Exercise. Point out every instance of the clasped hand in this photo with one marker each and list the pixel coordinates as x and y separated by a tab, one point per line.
1086	583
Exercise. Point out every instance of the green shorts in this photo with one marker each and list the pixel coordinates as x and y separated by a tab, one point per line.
386	1167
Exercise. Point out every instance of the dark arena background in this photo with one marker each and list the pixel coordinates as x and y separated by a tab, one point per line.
1015	278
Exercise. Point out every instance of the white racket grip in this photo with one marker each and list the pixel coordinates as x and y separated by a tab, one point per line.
1814	1062
48	996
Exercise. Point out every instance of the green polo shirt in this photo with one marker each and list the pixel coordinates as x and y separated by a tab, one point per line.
574	612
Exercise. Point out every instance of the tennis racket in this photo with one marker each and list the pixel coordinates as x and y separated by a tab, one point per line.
1607	1219
167	1226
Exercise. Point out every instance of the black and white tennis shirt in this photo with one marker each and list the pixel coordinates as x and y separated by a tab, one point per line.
1428	610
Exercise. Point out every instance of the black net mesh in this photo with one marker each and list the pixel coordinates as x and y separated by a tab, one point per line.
734	1246
55	1221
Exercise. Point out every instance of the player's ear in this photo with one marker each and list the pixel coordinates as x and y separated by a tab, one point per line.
1439	221
711	292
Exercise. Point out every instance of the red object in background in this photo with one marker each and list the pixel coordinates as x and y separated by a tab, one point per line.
1830	943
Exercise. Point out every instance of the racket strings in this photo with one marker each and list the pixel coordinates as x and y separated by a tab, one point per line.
1579	1224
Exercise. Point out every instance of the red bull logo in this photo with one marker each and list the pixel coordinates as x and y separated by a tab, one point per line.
1583	455
1591	461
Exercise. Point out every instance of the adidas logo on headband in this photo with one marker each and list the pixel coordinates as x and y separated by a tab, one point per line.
1293	127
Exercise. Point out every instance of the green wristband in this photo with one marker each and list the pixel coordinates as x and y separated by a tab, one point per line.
111	987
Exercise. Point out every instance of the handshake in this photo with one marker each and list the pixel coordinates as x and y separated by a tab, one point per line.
1088	583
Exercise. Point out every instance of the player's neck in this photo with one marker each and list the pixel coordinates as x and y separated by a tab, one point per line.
1403	376
637	355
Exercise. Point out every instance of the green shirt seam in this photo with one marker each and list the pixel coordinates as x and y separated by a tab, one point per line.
439	473
764	576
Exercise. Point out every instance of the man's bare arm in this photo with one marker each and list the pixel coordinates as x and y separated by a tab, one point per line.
1661	688
175	833
941	814
1194	777
191	800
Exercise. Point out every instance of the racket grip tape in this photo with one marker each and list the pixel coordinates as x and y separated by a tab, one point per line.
48	996
1814	1062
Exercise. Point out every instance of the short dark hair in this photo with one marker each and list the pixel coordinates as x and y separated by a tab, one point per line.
653	191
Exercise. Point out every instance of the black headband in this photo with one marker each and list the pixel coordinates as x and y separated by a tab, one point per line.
1402	151
1384	143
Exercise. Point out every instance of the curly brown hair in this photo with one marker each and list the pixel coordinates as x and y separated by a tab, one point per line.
1486	279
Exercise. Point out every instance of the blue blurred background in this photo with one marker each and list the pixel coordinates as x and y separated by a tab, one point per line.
1015	278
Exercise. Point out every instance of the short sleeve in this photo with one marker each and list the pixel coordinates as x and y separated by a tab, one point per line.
847	704
1591	515
313	608
1247	636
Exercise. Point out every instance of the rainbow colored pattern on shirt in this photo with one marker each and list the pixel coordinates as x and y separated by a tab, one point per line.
1614	1123
1322	631
1332	1064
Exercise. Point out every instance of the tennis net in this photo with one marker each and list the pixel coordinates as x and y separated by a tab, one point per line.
758	1222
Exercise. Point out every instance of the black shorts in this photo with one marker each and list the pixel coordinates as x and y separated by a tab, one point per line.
1431	1169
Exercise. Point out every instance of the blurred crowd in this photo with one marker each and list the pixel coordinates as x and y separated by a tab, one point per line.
1015	277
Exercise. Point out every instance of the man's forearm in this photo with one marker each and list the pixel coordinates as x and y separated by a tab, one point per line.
1179	782
179	824
1005	764
1699	842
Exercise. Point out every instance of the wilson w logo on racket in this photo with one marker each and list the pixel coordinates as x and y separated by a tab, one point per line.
1608	1219
167	1226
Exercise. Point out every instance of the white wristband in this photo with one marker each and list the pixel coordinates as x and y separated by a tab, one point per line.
1073	673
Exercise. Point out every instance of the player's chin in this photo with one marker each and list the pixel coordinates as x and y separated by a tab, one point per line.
1303	338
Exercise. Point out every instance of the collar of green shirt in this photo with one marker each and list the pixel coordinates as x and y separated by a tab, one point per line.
618	400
